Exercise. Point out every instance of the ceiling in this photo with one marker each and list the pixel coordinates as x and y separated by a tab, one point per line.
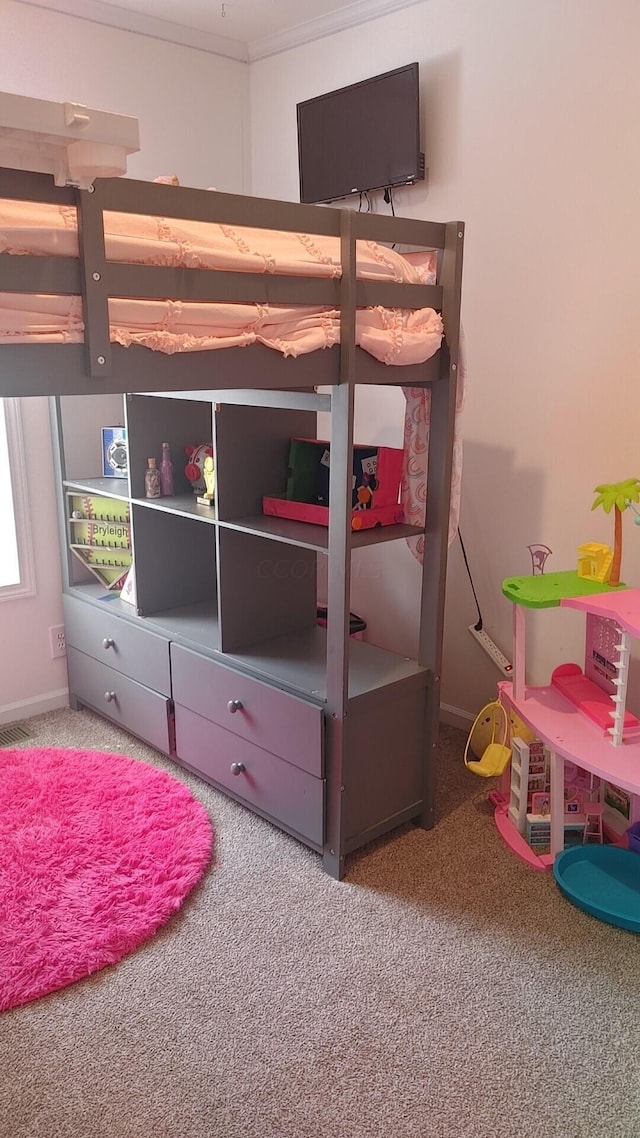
240	29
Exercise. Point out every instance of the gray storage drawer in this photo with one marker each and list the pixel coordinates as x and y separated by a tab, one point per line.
278	789
143	712
272	719
127	647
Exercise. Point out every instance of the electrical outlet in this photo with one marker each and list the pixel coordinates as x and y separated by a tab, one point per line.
58	641
492	650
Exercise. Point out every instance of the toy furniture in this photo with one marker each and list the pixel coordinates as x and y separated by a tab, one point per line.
593	812
221	663
497	752
580	717
528	785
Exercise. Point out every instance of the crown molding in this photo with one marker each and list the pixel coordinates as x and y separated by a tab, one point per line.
152	26
360	12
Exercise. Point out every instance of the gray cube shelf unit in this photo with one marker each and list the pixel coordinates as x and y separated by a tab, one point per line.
220	664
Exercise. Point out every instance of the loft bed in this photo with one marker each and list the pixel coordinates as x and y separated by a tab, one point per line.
85	276
87	250
65	268
92	354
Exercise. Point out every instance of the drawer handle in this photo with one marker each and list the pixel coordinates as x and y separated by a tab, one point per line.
110	696
234	705
108	642
237	768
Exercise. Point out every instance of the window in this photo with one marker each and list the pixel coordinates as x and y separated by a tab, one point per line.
16	555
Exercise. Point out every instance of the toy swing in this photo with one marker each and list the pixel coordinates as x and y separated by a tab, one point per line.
496	756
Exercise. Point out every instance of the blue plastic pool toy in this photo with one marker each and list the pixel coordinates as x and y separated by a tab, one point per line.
602	880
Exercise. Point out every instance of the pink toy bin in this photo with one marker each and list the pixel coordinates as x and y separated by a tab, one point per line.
633	837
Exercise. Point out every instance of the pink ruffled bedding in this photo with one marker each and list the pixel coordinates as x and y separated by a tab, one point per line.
394	336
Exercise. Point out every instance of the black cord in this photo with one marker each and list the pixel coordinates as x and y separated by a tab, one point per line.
478	626
388	197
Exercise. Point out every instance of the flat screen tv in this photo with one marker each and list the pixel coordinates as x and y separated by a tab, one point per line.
362	137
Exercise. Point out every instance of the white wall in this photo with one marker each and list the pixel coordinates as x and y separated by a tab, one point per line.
192	106
531	137
193	113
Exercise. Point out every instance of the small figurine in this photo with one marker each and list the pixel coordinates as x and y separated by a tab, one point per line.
208	474
364	493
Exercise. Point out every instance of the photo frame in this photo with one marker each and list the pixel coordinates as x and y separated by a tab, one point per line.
541	804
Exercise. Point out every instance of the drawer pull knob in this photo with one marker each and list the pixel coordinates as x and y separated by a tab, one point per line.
234	705
237	768
108	642
109	696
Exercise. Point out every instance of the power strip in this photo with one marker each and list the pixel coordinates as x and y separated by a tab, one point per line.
492	650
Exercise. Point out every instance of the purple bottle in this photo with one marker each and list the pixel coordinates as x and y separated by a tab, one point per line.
166	472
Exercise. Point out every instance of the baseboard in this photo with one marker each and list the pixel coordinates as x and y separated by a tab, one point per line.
26	708
456	717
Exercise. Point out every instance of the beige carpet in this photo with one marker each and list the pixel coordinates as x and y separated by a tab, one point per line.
442	991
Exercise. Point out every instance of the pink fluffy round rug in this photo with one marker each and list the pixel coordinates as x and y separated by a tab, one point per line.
96	852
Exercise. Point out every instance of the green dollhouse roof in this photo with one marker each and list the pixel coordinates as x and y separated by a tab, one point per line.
546	590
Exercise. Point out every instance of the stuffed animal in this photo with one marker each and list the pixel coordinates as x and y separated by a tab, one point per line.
194	470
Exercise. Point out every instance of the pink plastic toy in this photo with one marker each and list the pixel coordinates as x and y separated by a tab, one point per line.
592	742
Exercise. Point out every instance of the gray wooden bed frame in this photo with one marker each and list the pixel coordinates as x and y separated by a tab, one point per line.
98	367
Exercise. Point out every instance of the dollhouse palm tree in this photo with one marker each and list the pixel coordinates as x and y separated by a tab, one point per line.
617	496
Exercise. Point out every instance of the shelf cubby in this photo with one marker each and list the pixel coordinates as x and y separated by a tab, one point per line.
265	588
299	662
175	561
80	419
252	455
195	625
179	422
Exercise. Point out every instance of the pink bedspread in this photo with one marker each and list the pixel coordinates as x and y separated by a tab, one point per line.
393	336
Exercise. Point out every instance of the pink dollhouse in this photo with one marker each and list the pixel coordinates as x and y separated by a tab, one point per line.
576	776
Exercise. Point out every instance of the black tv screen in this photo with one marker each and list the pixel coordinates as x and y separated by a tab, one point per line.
360	138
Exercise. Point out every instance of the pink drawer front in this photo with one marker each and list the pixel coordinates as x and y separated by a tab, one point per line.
273	720
280	791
